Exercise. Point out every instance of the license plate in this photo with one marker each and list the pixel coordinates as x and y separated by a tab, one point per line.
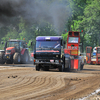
74	52
52	61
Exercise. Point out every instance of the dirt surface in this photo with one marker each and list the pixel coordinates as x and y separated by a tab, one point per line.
22	82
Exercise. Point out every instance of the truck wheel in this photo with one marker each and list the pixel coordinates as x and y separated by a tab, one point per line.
2	61
61	68
37	68
25	59
16	58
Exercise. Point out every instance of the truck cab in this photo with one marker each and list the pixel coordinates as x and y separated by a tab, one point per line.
49	52
73	42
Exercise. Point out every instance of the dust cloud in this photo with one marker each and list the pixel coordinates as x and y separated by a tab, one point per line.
55	12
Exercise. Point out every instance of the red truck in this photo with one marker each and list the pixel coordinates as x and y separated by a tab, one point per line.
72	49
90	59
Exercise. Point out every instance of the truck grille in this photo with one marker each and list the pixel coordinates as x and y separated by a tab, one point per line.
47	56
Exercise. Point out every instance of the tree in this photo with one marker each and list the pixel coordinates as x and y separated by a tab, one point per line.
92	17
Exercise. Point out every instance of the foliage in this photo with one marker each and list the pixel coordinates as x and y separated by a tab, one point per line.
65	36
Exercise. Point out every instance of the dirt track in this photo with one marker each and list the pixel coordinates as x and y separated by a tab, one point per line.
24	83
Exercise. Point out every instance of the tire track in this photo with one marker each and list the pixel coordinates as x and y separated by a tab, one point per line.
45	83
31	84
23	85
44	91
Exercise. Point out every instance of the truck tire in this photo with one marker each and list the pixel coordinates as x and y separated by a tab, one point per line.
2	61
37	67
25	58
16	58
61	68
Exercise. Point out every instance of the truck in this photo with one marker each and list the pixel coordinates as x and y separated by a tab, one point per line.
49	53
15	51
73	50
90	59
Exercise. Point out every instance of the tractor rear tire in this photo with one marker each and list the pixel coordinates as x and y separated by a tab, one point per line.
16	58
2	61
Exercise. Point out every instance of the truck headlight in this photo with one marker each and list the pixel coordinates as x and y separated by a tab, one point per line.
37	60
56	55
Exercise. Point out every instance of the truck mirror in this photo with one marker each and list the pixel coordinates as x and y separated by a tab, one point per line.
63	42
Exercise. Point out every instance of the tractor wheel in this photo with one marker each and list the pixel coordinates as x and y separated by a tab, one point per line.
16	58
2	61
25	58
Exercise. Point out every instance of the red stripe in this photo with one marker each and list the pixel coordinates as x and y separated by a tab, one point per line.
46	51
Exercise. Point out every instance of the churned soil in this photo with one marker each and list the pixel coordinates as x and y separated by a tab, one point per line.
23	82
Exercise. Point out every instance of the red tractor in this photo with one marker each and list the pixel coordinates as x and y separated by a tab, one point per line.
15	51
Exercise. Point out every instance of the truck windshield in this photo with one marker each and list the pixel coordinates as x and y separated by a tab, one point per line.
73	40
48	45
12	43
